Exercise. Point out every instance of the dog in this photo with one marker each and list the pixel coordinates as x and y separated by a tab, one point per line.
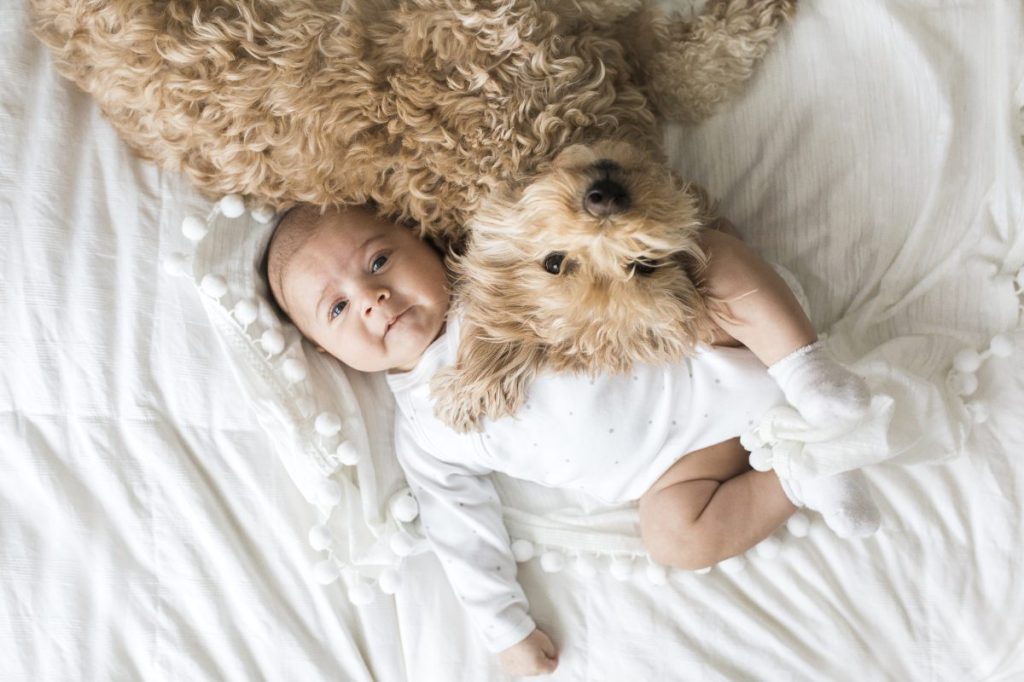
589	267
424	108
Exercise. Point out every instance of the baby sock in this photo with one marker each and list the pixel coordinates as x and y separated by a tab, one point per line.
844	501
822	391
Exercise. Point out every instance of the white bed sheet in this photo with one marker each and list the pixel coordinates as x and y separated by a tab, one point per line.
148	532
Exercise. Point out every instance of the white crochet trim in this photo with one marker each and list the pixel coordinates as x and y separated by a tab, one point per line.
626	566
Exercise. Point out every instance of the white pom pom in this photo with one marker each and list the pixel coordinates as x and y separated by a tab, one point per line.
522	550
584	565
404	506
621	568
193	228
750	441
964	384
294	369
656	573
245	311
213	286
798	524
328	493
272	341
232	206
979	412
319	538
401	544
176	264
552	561
262	214
326	572
327	424
347	454
768	548
761	459
733	564
360	593
1001	346
389	581
967	361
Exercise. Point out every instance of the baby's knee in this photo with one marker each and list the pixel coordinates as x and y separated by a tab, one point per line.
677	543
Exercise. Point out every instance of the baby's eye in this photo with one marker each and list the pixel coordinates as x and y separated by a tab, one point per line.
378	263
336	309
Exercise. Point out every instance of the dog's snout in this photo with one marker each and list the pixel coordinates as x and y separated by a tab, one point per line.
605	197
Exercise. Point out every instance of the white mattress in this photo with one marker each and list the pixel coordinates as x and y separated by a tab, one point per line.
147	531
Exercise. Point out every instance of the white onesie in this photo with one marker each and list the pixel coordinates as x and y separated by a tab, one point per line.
611	436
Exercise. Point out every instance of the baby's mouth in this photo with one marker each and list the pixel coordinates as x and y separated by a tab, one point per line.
393	320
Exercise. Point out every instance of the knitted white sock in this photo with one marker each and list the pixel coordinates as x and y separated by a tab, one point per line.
844	500
822	391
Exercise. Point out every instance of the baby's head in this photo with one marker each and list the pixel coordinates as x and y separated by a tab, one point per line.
365	290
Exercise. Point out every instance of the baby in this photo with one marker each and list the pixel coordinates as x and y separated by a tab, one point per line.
376	297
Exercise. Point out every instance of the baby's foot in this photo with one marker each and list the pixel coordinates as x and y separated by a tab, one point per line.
844	500
824	392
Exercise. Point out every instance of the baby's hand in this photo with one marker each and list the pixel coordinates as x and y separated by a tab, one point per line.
535	655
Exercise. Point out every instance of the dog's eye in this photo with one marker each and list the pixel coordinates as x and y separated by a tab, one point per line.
643	266
553	262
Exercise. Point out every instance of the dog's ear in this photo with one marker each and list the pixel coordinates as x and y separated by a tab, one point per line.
490	378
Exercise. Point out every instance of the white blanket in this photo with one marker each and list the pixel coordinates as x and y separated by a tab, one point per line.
148	531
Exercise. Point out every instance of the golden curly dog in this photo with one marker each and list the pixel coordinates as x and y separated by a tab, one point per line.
423	107
590	267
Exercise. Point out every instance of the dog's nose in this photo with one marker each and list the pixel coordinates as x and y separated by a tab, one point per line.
604	198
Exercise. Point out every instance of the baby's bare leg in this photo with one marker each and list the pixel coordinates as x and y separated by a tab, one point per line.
756	306
710	506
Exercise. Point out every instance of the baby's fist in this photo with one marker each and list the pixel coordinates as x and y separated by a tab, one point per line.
535	655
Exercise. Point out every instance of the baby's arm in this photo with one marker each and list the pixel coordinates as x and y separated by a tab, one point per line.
754	305
461	516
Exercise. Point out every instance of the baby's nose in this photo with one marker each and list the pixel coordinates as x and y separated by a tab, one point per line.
605	197
375	298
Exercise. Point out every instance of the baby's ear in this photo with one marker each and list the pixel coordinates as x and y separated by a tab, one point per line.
489	379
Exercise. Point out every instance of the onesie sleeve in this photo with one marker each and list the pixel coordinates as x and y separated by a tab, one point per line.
461	516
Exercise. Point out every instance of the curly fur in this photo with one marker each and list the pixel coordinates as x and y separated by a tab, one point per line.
449	115
421	106
599	314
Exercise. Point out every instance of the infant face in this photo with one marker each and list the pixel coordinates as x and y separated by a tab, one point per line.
367	291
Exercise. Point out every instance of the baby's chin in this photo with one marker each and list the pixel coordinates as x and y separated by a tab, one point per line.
405	353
